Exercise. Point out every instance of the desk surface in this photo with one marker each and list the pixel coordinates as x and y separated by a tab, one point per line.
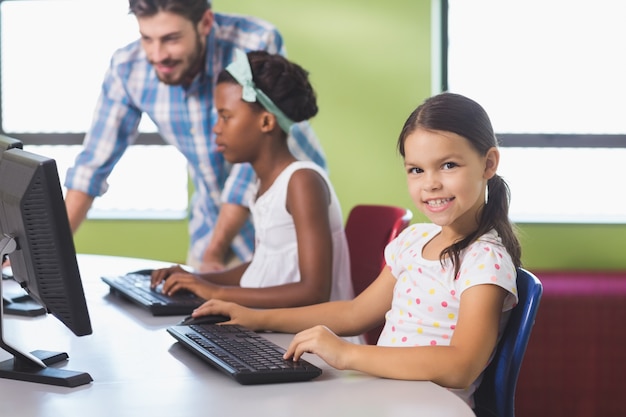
139	369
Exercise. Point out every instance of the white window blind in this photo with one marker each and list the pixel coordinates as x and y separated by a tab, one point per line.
545	68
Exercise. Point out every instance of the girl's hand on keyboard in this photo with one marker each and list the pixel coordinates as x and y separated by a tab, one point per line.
176	278
321	341
160	275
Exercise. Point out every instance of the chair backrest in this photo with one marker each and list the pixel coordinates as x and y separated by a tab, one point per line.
369	228
495	397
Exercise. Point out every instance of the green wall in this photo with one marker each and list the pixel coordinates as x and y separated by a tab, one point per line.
370	63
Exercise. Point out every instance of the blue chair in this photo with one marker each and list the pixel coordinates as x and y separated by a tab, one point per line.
495	397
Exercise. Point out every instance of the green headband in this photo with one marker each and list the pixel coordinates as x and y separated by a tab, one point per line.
242	73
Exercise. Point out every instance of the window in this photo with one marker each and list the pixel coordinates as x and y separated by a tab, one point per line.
551	76
53	55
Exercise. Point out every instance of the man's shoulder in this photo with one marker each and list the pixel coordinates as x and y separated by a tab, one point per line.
245	32
129	54
244	23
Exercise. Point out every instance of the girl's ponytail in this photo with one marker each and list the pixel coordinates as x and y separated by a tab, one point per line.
495	215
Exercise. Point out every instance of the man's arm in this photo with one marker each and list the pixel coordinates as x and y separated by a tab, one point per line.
229	222
77	204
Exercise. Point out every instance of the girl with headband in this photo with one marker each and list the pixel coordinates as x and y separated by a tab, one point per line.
301	253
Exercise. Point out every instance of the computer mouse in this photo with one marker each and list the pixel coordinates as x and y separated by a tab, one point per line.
208	319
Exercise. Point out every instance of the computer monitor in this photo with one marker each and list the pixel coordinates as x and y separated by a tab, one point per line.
20	303
36	236
7	142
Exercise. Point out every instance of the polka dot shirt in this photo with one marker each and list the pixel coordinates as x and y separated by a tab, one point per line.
426	298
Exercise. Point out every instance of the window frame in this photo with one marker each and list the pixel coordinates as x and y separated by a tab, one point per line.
54	138
523	140
109	206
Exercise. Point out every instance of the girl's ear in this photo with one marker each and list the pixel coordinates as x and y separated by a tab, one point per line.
268	122
492	159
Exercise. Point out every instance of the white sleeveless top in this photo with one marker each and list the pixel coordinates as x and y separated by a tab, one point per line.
275	259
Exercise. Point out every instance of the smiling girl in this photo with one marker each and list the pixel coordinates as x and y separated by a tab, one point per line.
449	285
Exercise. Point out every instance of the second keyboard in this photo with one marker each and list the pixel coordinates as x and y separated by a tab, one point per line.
244	355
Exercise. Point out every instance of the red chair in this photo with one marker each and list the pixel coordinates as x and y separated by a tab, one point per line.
369	229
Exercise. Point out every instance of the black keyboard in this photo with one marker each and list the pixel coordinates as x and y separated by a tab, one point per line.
136	287
243	354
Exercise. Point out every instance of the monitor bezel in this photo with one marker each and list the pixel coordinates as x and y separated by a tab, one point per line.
36	235
7	142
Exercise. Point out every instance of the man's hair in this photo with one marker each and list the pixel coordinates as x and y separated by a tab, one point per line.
192	10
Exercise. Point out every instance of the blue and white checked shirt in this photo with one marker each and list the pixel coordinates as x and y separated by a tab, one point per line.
185	119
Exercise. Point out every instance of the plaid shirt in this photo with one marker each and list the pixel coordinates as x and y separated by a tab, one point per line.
185	117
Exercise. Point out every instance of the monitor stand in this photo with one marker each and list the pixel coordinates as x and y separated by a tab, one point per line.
22	305
34	366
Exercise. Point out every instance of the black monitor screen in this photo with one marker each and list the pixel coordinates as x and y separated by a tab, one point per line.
36	235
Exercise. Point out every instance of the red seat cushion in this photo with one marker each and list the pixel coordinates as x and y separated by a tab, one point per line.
575	362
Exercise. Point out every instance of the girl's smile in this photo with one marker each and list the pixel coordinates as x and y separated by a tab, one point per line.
438	204
447	177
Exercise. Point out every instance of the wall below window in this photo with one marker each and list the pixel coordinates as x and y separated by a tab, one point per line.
165	240
370	63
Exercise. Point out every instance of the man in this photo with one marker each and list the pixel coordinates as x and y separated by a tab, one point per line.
169	74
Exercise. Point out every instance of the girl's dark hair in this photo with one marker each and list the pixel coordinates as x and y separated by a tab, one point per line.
192	10
458	114
285	82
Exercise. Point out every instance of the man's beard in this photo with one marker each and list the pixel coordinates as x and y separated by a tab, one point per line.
194	64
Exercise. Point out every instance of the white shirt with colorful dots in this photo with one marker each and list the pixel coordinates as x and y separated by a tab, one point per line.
425	305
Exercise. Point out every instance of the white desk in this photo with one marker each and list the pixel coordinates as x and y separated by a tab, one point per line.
139	370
